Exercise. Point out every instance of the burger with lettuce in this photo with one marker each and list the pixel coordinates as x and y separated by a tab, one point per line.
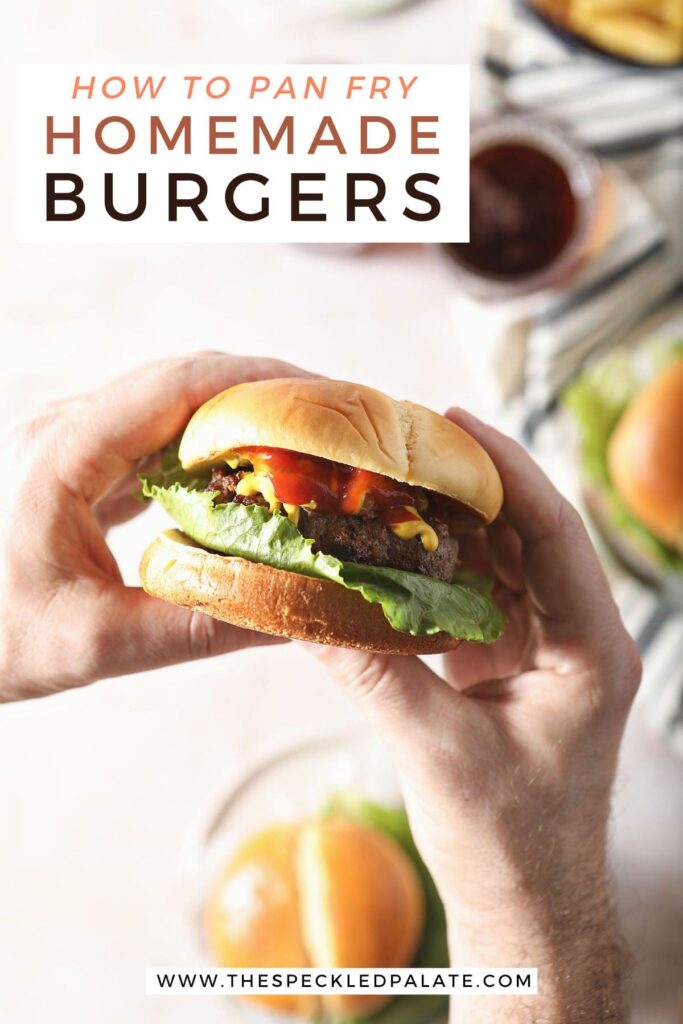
326	511
629	408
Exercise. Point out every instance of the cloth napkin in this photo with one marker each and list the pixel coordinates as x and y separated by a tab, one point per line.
531	349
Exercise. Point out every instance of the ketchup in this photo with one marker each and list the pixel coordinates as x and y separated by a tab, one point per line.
523	211
335	488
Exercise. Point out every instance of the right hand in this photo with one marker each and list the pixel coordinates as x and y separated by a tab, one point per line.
507	759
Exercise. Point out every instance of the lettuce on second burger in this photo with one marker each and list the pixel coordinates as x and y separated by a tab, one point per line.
326	511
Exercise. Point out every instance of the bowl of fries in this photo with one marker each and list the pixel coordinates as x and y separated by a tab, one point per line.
643	32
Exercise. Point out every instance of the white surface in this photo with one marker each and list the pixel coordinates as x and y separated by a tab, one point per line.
99	789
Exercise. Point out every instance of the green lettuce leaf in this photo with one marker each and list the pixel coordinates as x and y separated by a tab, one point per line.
411	603
433	948
596	399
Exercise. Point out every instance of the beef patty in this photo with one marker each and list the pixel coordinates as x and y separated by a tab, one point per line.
361	538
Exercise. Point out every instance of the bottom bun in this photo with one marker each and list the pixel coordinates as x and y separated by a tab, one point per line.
256	596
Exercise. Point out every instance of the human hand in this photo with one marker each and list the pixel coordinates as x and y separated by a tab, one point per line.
507	760
67	618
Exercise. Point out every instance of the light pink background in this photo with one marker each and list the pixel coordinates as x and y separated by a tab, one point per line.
99	789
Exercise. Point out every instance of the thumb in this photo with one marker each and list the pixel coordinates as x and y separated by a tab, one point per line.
134	632
407	702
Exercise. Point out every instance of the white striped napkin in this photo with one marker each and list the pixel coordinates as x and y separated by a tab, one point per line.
633	118
550	333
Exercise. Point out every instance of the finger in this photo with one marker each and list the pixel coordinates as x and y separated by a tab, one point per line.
495	551
121	502
532	504
561	569
473	553
435	734
505	553
406	700
130	631
513	652
118	510
108	431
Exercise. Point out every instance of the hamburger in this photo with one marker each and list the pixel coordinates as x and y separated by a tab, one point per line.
645	456
345	889
325	511
629	407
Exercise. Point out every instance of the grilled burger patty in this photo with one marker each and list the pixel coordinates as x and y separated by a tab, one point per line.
361	538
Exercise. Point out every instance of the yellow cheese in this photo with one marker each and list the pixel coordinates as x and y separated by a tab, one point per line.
293	513
252	484
416	527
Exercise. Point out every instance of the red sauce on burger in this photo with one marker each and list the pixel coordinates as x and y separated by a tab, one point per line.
299	479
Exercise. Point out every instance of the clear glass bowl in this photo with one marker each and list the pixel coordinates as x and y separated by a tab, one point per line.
288	786
313	10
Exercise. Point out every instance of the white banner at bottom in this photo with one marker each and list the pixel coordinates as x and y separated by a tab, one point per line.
405	981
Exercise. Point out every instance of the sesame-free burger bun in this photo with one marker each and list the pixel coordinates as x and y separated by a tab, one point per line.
323	893
256	596
252	916
645	455
351	424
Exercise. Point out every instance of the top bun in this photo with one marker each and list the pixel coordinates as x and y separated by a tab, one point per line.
645	456
328	893
351	424
252	915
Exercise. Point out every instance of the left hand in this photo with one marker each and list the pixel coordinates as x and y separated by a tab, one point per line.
67	618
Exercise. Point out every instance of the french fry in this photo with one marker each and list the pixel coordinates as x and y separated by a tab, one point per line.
666	12
595	8
672	13
631	35
650	31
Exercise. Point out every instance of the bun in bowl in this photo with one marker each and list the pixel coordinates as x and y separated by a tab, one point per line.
326	893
